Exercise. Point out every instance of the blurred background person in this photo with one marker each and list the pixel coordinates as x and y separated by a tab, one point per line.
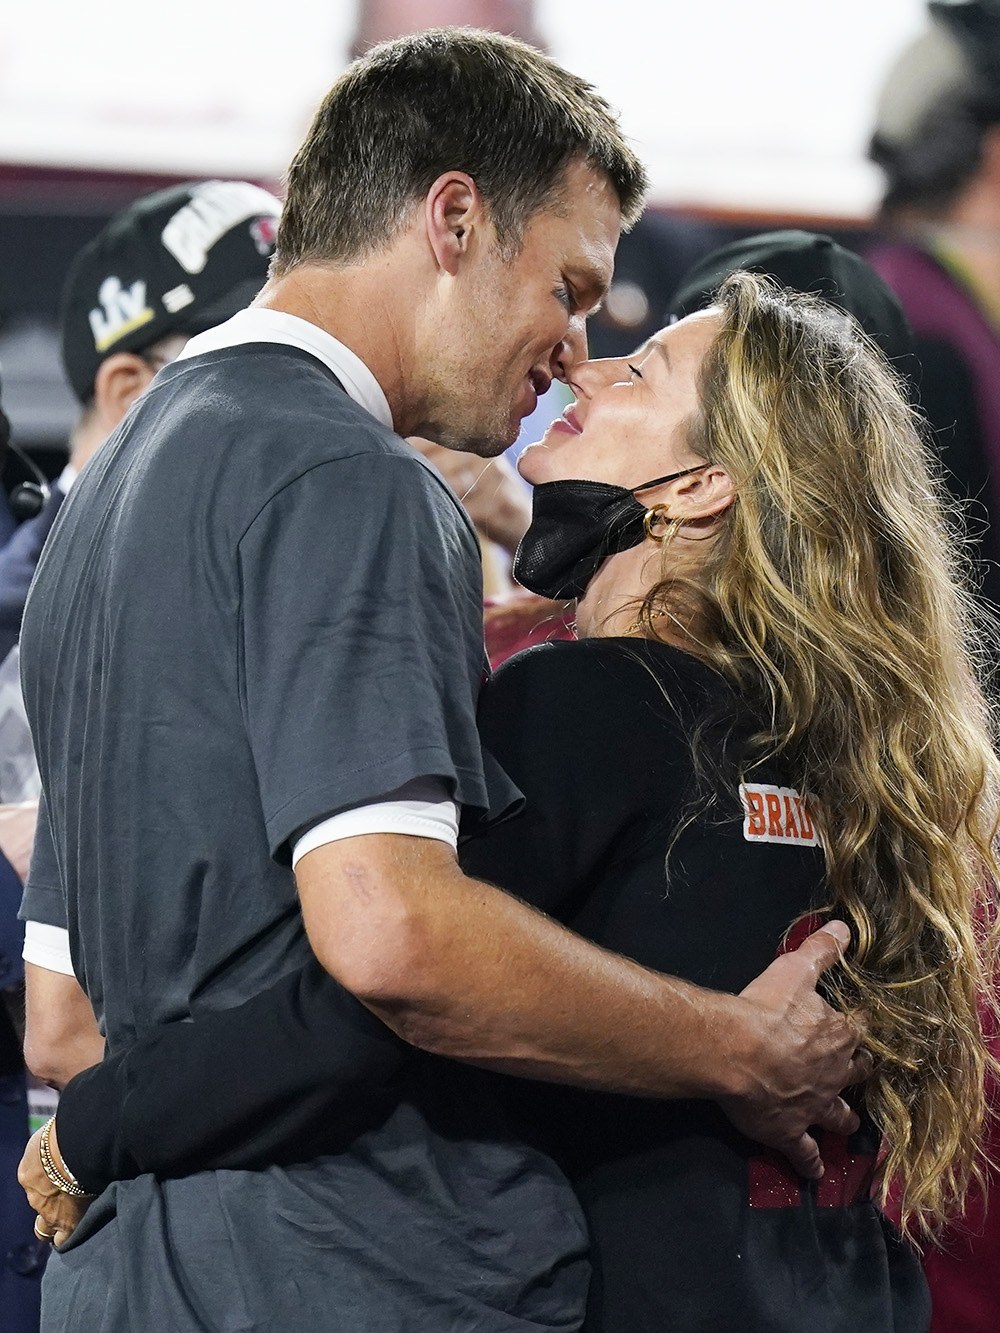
499	504
937	140
497	501
169	266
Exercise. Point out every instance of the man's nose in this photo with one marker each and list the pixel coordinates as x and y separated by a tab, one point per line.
569	353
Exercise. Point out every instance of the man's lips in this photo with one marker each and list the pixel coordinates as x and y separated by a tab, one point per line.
540	381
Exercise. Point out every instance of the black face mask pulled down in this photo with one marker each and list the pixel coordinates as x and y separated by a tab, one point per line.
575	526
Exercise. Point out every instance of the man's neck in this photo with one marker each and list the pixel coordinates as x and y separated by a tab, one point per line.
350	303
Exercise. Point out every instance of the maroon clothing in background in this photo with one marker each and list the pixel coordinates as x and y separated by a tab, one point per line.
522	620
964	1275
958	351
937	306
965	1278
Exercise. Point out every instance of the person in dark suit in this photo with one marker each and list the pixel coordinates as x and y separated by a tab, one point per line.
22	1257
18	559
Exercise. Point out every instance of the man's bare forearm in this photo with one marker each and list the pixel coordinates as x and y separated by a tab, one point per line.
460	968
513	990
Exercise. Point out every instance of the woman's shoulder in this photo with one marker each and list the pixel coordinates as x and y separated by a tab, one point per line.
600	696
647	666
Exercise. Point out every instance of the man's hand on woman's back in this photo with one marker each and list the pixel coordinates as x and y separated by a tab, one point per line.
792	1054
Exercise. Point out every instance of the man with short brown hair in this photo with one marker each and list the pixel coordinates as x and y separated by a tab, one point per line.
514	118
269	661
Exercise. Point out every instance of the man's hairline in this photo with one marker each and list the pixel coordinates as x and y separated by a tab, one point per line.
554	203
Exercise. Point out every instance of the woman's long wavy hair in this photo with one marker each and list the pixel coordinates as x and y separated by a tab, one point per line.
833	597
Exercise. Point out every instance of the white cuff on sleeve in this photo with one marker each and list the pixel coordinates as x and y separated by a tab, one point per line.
47	946
420	808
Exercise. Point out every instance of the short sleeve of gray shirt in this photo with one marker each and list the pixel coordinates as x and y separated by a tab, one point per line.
354	683
48	902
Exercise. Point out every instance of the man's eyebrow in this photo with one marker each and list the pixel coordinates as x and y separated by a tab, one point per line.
590	280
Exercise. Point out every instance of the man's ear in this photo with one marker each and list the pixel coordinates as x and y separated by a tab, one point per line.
120	379
706	493
454	215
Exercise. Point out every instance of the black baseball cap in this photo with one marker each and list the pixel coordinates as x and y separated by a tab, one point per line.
178	261
806	261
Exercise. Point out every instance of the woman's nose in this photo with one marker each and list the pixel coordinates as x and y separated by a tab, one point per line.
589	376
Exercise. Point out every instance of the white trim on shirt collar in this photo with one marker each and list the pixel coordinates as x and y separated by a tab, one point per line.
259	325
67	477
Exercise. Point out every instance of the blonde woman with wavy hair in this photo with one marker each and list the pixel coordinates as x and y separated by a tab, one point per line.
790	586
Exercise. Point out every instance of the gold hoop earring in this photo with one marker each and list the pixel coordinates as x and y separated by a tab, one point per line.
659	513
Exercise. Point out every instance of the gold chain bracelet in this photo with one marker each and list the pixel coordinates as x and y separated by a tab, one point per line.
63	1179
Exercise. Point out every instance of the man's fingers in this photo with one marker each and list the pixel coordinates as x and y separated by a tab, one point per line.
825	947
860	1069
838	1118
804	1156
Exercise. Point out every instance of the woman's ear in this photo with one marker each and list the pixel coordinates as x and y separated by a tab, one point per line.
453	208
706	493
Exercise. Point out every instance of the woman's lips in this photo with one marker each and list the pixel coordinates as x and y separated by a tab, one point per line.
567	424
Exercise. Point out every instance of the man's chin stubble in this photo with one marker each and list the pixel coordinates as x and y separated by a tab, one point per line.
487	442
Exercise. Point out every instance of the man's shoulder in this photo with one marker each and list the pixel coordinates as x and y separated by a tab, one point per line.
268	384
260	414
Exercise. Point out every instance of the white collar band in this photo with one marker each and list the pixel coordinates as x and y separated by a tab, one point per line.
259	325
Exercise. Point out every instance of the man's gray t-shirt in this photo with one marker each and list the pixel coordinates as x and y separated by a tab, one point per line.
259	607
